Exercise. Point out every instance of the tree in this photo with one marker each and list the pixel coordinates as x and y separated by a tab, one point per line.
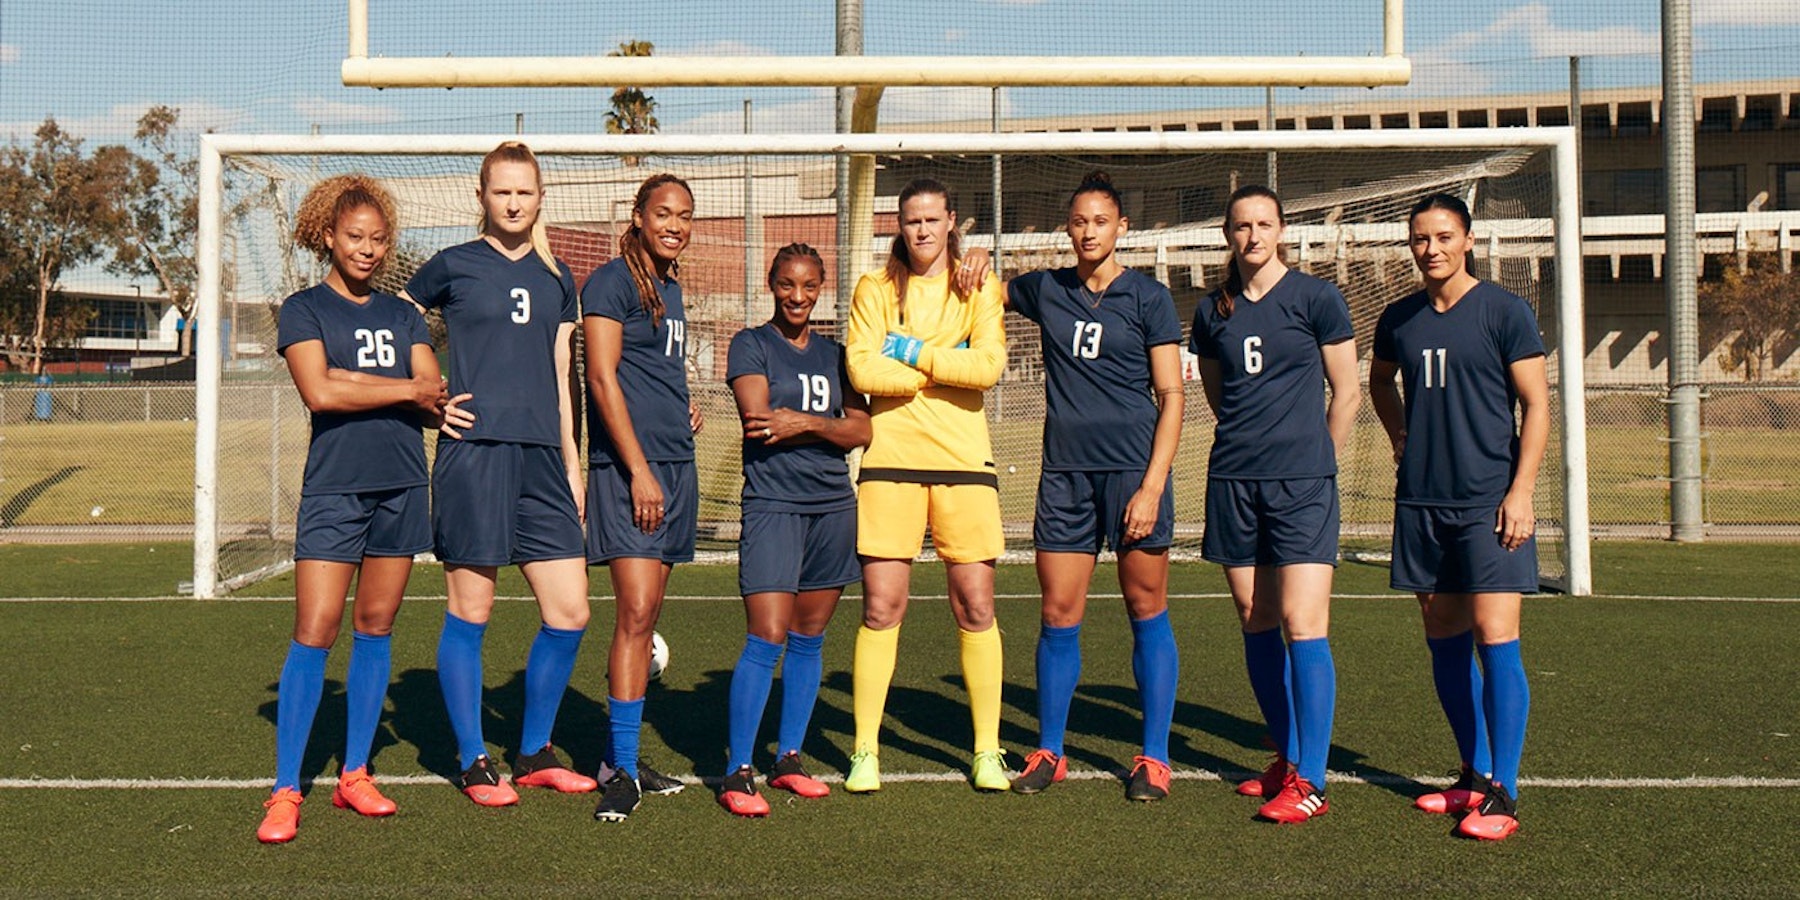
1762	304
633	111
163	214
59	208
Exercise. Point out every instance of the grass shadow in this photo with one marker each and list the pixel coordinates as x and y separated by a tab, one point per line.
325	744
920	722
17	504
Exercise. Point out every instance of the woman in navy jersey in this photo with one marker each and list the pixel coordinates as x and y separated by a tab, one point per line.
801	419
1466	351
643	495
506	486
1112	367
363	364
1268	340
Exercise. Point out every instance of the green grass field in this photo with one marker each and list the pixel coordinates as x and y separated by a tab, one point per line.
1643	710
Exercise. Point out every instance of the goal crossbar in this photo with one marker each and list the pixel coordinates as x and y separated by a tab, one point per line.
1560	143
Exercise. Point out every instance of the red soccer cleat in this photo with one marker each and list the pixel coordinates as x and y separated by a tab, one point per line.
1495	820
543	770
1042	769
282	821
739	795
1297	802
356	790
483	785
791	776
1269	783
1149	779
1464	795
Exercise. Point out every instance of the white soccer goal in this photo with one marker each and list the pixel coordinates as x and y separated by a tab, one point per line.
1346	194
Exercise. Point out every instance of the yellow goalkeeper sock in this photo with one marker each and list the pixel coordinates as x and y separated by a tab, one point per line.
871	672
981	665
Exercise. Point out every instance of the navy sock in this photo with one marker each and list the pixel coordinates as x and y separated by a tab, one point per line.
370	664
1058	671
1459	690
296	702
459	677
749	697
1266	659
800	674
1315	703
627	720
1157	665
547	672
1507	702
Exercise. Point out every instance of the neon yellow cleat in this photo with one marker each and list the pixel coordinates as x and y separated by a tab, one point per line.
865	772
989	771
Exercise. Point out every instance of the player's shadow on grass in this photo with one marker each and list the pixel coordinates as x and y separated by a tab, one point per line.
1110	712
16	505
938	717
692	723
1247	733
325	746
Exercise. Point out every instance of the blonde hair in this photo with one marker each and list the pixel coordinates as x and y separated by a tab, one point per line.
517	152
333	198
631	246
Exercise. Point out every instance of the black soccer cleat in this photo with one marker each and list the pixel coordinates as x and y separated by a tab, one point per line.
619	797
654	782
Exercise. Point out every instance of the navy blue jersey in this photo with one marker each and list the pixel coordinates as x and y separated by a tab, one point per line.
374	450
1272	379
502	315
1462	440
811	477
652	367
1100	411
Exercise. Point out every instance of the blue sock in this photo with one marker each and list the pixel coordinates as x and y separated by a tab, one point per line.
749	693
627	720
1058	671
1157	665
296	702
366	690
1315	703
1266	659
547	672
800	674
1459	690
459	677
1507	702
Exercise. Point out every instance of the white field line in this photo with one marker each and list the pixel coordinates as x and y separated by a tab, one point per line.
244	784
720	597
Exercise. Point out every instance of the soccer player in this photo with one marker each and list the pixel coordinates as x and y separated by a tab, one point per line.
1268	339
643	494
1112	365
801	418
1466	351
363	364
924	353
506	487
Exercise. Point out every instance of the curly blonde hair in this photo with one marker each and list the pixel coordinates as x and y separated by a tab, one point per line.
331	199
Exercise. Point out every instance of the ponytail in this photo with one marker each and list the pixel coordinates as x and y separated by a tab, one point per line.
515	151
1224	302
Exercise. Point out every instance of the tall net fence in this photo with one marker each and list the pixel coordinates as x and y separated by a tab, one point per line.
1346	215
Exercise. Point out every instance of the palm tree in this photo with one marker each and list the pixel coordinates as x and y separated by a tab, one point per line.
633	111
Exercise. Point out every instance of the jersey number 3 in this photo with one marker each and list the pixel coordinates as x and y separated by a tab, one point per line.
521	313
377	350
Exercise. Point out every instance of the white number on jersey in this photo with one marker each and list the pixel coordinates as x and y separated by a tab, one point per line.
1086	344
377	350
521	313
675	344
815	393
1442	358
1253	358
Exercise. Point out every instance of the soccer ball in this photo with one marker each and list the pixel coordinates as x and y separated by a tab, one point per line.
659	655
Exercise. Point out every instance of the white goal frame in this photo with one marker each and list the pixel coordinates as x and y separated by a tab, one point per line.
1559	142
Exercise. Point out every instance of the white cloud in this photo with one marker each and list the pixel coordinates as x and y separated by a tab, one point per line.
1522	31
9	53
120	122
817	112
718	48
1746	12
322	111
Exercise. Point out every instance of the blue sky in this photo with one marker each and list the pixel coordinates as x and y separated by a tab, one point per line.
273	67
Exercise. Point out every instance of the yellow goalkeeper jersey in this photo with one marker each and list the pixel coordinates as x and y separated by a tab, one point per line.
928	425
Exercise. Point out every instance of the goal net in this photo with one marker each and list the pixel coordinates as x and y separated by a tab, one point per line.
1346	207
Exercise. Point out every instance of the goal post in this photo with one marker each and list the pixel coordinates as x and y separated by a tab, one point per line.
1346	192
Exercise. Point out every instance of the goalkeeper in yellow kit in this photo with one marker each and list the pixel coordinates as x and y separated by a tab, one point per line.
925	353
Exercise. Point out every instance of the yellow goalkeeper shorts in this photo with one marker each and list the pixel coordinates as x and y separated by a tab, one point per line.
891	517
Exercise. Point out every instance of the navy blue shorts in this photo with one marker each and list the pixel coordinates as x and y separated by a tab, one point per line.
1277	522
347	527
496	503
1451	550
613	535
1078	511
790	552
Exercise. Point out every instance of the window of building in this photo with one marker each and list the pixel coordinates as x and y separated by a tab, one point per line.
1787	186
1719	189
126	319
